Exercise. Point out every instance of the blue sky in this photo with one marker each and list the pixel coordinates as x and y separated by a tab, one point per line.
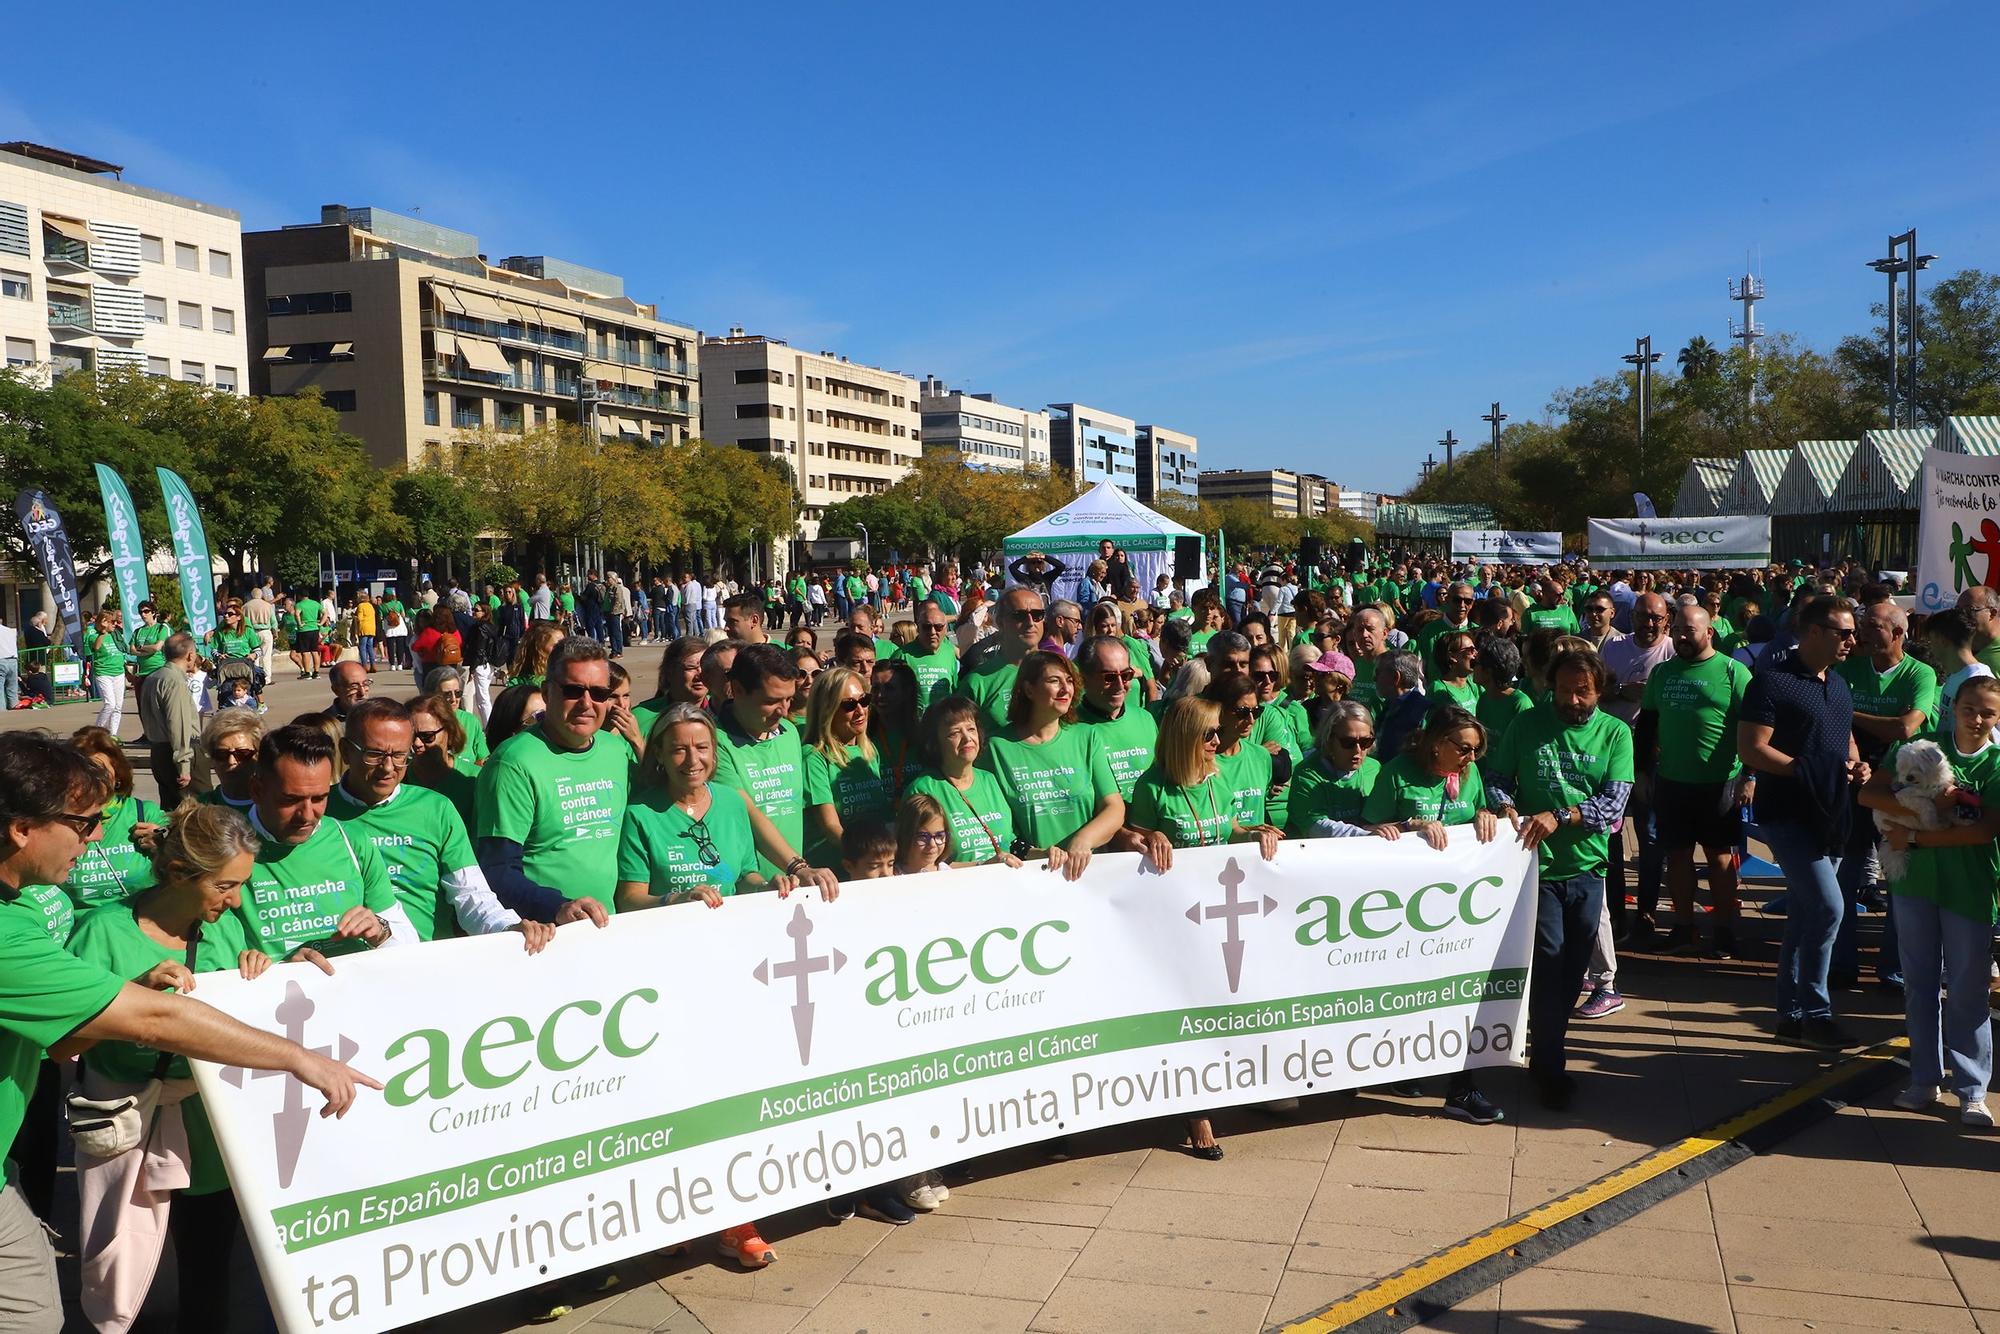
1315	235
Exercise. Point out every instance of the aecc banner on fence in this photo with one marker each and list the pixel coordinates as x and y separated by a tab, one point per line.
685	1070
1958	543
1500	546
1718	542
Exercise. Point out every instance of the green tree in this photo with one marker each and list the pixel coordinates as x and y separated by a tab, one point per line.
439	514
1699	359
1958	351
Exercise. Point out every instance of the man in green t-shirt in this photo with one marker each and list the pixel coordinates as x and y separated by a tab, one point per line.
1371	637
932	656
312	887
1550	610
551	800
53	1002
418	832
758	751
1456	602
1568	769
1124	728
1688	718
990	685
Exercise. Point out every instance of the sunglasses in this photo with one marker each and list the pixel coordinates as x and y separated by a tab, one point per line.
704	844
429	738
1247	711
1211	734
1356	742
1263	676
1113	678
1025	614
83	826
232	754
1838	634
599	694
854	705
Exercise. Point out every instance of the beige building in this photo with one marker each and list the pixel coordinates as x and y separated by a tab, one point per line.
1290	494
1167	463
845	429
417	339
99	274
983	432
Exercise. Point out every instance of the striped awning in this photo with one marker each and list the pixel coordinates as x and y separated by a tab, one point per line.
1754	480
1430	521
1970	435
1810	475
1882	475
1704	488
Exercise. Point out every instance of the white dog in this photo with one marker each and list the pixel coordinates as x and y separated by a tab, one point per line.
1922	776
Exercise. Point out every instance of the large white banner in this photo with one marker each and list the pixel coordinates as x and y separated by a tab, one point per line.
1718	542
1501	546
1958	542
688	1069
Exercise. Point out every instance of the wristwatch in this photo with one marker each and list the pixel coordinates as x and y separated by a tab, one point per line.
1021	847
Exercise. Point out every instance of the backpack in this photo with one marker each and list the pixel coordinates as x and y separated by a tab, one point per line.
392	618
451	651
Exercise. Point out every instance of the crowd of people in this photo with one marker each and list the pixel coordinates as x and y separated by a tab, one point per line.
1558	707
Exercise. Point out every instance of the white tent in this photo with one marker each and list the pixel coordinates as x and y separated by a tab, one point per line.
1071	535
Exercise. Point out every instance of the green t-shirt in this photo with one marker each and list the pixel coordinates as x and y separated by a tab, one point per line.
1054	788
1406	790
475	752
1428	637
459	788
308	613
936	672
1128	740
563	807
885	649
1698	704
772	774
232	643
1198	641
297	893
1246	777
1496	712
1960	880
656	849
46	994
1142	655
1465	695
105	651
1283	721
981	821
1190	816
114	942
148	643
1909	686
48	906
1319	794
1723	628
990	685
920	588
421	838
854	788
1556	764
1558	617
391	604
1364	691
647	712
567	601
113	869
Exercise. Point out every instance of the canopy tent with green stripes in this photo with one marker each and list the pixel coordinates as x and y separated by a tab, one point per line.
1882	474
1753	480
1969	435
1703	488
1808	480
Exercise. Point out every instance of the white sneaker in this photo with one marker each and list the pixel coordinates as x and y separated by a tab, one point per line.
1976	1114
1917	1097
939	1191
921	1197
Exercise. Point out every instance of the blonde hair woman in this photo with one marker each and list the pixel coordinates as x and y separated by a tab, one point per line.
228	751
844	780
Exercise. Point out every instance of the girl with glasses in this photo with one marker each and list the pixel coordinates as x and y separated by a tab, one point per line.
923	836
1333	782
843	768
975	809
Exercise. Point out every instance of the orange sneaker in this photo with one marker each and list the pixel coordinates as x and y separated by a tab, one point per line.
746	1247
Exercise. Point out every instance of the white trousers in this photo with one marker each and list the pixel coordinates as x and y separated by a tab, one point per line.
111	700
482	692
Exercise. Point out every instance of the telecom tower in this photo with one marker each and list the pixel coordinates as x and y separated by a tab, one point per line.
1749	290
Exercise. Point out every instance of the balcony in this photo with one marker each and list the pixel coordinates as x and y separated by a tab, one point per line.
70	315
62	252
511	333
646	398
651	361
467	421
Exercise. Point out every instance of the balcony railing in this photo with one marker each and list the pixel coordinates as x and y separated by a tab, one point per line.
69	315
64	251
573	344
646	398
467	421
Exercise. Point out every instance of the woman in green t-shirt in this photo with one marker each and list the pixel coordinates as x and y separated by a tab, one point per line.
1056	776
1945	907
843	769
203	858
975	809
894	695
1332	783
685	838
1248	769
105	652
149	640
1282	726
120	862
1455	652
438	739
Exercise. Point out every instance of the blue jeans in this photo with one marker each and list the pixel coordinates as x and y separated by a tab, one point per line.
1812	917
1566	913
364	645
1857	873
10	681
616	625
1932	936
1651	869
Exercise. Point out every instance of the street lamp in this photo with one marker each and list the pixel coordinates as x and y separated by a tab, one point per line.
1902	402
865	563
1641	359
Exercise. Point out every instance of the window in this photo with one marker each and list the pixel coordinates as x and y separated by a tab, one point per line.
225	378
20	352
790	379
897	399
760	377
466	413
220	264
16	285
192	372
430	408
187	257
340	400
152	249
190	315
222	321
159	366
508	416
310	303
156	310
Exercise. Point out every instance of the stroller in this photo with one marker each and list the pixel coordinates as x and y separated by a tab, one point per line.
238	683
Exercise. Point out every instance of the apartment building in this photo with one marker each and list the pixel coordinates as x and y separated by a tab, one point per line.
417	339
1166	463
98	274
985	433
845	429
1094	446
1289	494
1361	505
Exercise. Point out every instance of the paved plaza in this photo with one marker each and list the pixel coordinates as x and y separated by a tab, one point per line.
1868	1219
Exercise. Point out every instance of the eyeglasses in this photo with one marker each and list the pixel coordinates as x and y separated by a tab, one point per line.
1263	676
1356	742
1465	747
599	694
932	837
429	738
1027	614
704	845
1848	633
232	754
82	825
394	759
854	705
1114	678
1247	711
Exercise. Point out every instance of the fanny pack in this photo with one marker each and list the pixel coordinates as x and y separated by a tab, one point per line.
108	1127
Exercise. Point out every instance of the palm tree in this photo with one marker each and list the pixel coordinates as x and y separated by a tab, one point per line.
1699	359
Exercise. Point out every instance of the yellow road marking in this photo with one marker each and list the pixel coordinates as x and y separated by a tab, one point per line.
1383	1294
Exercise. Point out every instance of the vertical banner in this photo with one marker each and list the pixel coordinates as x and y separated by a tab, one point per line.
190	553
50	542
128	549
1958	542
